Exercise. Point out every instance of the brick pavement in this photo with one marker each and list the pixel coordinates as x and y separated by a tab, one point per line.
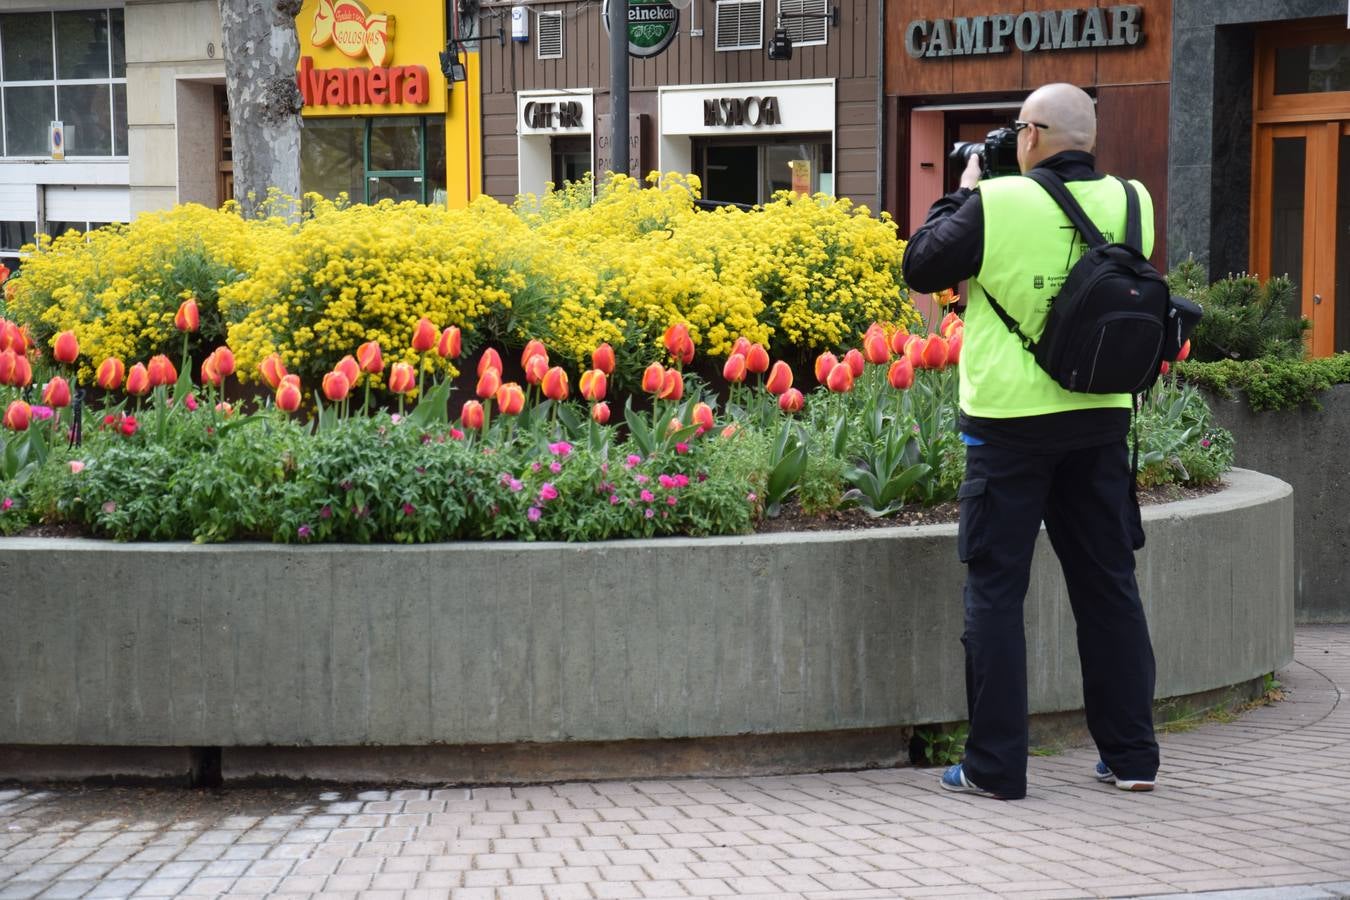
1257	803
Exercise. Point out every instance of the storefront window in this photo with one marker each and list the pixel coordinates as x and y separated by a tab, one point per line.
1287	206
372	159
68	67
1312	69
571	159
741	172
14	235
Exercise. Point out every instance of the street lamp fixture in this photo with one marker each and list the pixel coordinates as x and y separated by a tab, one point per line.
452	63
780	48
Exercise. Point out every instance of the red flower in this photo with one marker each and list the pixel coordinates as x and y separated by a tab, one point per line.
875	348
17	416
9	362
901	374
424	335
490	359
349	368
111	373
672	386
780	378
187	318
602	358
791	401
288	395
742	346
733	370
678	343
757	359
702	416
488	382
138	381
855	362
402	378
66	349
600	413
450	344
914	350
954	343
369	358
224	361
210	374
161	370
272	371
825	364
950	324
898	339
653	377
510	399
934	352
336	386
840	379
127	425
1185	351
594	384
554	384
535	369
471	415
532	349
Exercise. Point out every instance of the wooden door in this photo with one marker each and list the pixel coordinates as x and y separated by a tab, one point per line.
1301	174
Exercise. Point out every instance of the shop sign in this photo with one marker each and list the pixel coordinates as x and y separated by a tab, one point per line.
343	30
732	111
652	26
1059	29
542	114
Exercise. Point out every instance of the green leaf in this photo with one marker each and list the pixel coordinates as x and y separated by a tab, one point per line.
434	406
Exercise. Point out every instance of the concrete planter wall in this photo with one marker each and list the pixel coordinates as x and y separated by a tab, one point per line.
486	645
1306	448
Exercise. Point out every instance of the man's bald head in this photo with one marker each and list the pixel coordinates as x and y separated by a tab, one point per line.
1068	114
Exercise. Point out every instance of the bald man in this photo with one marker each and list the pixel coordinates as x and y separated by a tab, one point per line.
1036	452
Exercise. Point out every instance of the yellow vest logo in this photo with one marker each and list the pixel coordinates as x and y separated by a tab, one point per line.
354	30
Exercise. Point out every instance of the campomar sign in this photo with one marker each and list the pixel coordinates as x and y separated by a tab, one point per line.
652	26
1054	29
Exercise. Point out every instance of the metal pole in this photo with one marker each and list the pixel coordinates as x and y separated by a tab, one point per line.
618	85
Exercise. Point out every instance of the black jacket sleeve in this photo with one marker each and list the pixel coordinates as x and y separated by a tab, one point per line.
949	248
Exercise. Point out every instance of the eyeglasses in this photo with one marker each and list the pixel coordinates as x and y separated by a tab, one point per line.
1019	125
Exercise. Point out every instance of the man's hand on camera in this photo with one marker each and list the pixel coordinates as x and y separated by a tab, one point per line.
971	176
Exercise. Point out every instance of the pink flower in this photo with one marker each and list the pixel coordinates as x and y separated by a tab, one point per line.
681	448
555	467
7	504
671	501
641	479
649	513
303	532
561	448
456	434
326	512
613	499
41	413
632	460
76	467
647	496
548	492
534	513
409	509
667	482
515	484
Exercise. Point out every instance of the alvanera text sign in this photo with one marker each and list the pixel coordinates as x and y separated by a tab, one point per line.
1051	29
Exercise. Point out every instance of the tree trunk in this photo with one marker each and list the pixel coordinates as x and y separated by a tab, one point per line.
261	55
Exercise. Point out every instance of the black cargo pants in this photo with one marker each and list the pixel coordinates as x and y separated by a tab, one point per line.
1084	498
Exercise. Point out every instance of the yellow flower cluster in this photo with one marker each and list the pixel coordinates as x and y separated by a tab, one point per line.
118	287
571	267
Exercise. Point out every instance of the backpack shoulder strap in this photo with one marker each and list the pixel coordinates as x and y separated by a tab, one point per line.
1133	228
1054	186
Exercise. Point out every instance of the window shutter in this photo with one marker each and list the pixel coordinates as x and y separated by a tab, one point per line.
740	24
806	31
550	42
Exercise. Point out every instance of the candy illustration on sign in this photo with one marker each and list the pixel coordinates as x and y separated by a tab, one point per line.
354	30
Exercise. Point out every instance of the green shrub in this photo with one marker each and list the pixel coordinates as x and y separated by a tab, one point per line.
1243	318
1270	383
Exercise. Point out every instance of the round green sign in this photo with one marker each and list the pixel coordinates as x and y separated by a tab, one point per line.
652	26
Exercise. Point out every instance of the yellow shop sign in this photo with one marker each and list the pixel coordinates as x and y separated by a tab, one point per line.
334	34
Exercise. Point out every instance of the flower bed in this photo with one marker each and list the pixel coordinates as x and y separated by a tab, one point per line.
841	641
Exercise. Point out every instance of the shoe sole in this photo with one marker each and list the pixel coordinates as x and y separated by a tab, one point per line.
1136	786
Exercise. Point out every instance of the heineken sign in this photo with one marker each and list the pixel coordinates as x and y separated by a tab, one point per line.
652	26
1059	29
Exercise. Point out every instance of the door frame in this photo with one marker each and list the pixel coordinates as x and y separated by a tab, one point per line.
1322	119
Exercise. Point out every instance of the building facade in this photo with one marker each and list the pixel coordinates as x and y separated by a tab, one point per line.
957	70
1259	163
705	96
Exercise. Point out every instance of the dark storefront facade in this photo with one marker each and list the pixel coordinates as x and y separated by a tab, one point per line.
1259	169
956	70
711	102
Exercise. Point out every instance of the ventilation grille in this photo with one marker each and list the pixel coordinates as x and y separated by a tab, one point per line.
740	24
550	44
806	31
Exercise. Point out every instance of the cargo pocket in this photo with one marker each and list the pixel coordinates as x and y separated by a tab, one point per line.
971	539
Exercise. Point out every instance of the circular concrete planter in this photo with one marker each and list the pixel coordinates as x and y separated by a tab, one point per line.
473	651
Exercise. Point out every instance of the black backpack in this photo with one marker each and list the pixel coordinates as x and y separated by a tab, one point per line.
1114	321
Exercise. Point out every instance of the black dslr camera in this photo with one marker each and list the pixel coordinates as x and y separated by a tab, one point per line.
998	153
